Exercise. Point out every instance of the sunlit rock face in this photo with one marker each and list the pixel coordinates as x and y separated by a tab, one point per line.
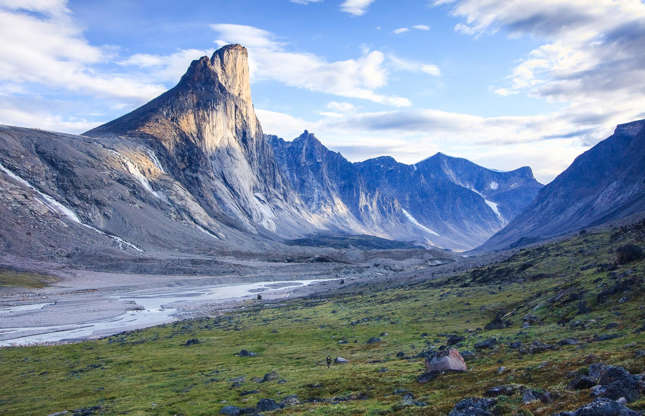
214	145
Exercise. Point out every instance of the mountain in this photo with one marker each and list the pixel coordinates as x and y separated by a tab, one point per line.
207	130
191	173
603	184
188	172
441	201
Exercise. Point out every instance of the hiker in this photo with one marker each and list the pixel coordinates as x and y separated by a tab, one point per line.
328	361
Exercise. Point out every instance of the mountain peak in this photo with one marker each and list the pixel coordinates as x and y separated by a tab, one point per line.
229	66
192	109
306	135
630	129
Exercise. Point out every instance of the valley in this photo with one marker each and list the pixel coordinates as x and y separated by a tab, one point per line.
563	306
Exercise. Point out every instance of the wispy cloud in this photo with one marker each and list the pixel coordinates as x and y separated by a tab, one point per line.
48	48
271	59
356	7
409	65
591	58
400	30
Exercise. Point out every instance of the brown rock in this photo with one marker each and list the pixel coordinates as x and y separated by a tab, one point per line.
449	360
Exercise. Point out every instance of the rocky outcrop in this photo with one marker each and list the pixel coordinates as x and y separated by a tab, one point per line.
605	183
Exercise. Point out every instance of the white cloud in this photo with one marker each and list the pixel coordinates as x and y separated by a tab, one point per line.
591	58
356	7
341	106
165	68
48	48
283	125
51	7
401	30
402	64
13	116
270	59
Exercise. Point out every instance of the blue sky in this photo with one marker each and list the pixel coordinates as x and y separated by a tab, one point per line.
505	83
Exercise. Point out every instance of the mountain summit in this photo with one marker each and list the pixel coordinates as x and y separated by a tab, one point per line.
210	106
213	142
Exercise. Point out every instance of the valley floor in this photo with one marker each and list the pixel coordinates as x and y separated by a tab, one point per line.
561	307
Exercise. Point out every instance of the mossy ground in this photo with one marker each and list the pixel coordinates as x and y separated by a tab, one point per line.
11	278
151	372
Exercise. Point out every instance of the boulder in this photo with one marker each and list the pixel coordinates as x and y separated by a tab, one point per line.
246	353
270	377
454	339
230	411
267	405
473	406
428	376
582	382
602	407
486	344
628	253
341	360
497	323
616	382
444	360
291	400
506	390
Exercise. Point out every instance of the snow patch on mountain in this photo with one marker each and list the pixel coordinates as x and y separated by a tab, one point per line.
418	224
56	207
134	171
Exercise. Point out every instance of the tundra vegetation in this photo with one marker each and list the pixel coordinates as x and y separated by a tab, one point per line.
530	328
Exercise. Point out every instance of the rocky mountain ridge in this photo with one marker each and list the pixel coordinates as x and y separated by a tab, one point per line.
605	183
441	201
192	172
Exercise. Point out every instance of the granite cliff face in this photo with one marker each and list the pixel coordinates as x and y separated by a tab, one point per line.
208	133
603	184
441	201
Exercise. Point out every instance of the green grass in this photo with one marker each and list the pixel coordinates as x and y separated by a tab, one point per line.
10	278
150	372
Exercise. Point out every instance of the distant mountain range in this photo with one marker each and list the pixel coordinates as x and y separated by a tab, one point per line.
192	172
603	184
441	201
